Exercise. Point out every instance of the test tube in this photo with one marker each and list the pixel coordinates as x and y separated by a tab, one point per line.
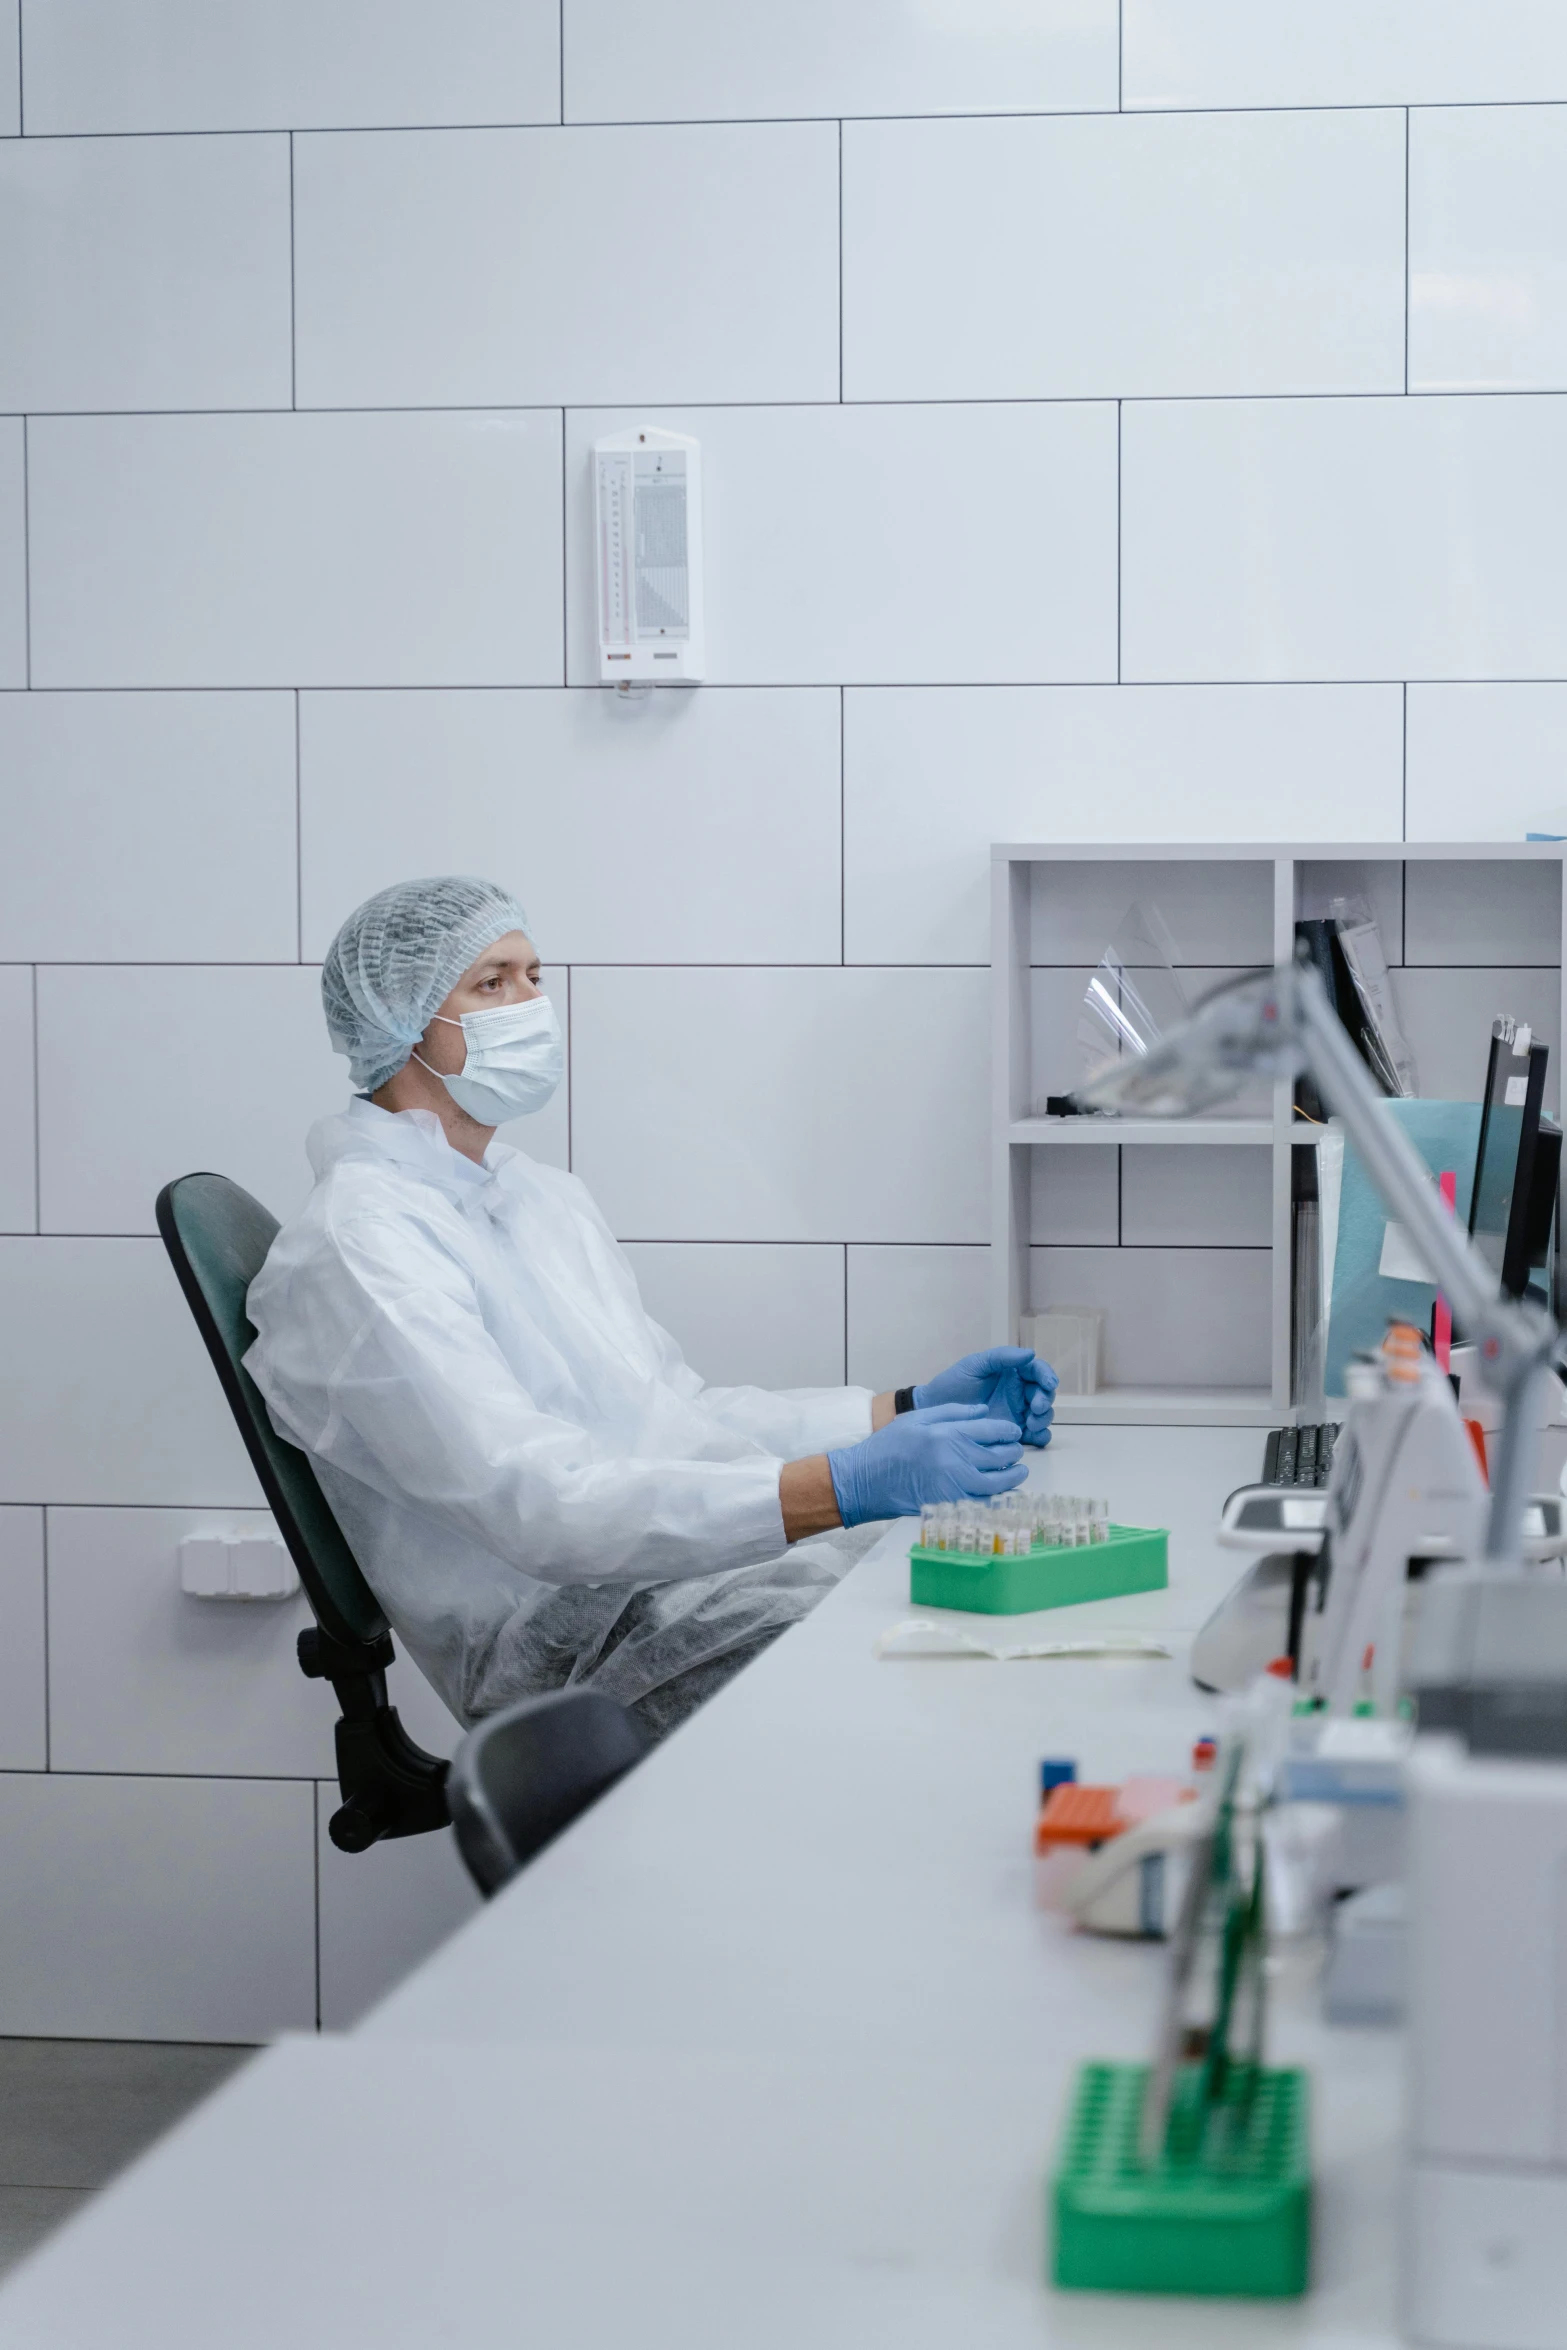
1100	1522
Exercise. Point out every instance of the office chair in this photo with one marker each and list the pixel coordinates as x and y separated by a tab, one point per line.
525	1773
217	1237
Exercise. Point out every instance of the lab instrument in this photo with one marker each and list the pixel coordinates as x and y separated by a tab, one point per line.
1029	1551
647	525
1485	2188
1278	1023
1192	2175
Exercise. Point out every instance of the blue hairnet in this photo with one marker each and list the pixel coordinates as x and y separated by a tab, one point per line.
397	959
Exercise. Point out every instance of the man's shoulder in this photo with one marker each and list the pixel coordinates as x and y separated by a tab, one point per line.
359	1206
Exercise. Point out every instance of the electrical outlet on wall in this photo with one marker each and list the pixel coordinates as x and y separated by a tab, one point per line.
227	1565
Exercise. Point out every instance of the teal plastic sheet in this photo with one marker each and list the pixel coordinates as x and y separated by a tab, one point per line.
1364	1299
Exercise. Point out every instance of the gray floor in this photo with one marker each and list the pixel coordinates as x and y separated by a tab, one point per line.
73	2112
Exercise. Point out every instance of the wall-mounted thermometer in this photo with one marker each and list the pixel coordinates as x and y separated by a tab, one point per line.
647	520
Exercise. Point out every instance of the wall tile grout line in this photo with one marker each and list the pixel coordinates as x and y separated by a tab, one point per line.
1406	249
293	324
27	561
38	1138
843	830
752	1239
840	264
560	36
48	1721
1120	55
1118	535
315	1871
1403	779
181	1778
846	685
933	969
565	596
21	73
676	122
536	407
299	837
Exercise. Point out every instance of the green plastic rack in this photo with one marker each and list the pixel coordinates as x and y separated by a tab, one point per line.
1225	2209
1134	1558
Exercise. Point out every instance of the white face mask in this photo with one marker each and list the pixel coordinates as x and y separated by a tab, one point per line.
513	1062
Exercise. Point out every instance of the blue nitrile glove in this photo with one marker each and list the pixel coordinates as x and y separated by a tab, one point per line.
1009	1380
954	1453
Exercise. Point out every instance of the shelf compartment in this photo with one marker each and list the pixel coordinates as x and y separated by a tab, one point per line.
1485	941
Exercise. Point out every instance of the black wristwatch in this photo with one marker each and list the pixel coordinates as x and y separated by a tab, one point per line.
903	1399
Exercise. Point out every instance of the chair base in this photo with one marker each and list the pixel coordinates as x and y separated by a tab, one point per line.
390	1786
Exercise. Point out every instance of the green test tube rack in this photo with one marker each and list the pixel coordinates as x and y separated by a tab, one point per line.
1224	2209
1132	1558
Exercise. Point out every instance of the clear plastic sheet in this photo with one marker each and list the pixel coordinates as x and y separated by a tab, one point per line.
1134	997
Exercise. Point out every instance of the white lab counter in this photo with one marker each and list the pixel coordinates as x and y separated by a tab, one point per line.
771	2049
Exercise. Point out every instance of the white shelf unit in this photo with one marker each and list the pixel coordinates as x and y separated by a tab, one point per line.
1198	1299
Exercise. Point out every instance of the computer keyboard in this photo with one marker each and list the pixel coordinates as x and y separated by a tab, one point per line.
1299	1456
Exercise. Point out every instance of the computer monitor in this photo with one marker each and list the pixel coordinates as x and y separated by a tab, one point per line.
1512	1214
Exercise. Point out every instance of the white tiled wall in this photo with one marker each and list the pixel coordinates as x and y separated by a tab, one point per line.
932	777
1099	406
693	789
381	1912
1393	538
18	1147
157	1909
782	1104
128	817
118	1115
749	1314
881	545
193	65
13	552
23	1702
1487	275
913	1309
1341	52
699	59
145	273
364	549
1487	761
10	69
455	316
1153	254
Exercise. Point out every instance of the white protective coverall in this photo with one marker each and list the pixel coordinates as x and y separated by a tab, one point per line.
538	1489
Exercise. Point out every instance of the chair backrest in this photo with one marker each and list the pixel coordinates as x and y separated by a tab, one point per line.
525	1773
217	1237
